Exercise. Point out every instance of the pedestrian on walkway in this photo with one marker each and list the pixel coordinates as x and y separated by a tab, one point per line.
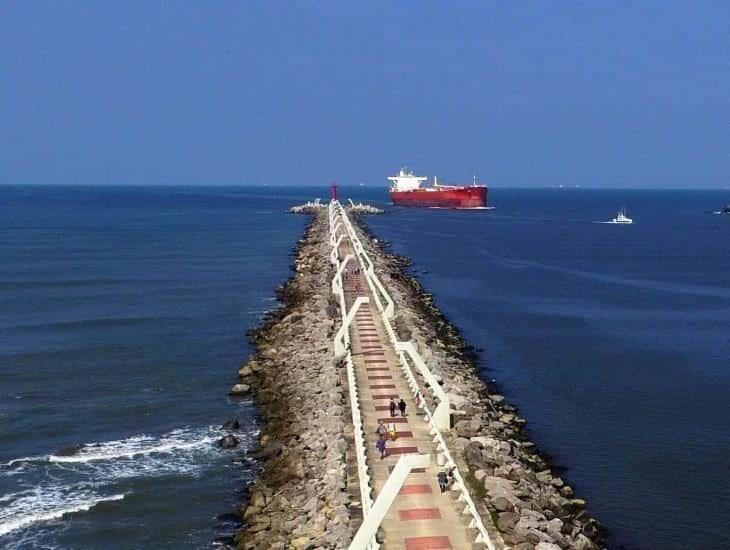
392	407
443	480
418	399
382	431
402	407
392	430
381	447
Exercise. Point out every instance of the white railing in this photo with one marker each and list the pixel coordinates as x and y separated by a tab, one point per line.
440	419
442	413
341	345
386	496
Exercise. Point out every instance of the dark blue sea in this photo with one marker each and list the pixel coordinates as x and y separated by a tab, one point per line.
123	314
122	325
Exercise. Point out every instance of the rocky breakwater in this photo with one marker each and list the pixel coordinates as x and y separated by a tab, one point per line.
300	499
531	507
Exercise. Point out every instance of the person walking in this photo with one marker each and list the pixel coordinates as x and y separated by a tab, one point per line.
392	407
381	447
443	480
402	407
392	430
382	431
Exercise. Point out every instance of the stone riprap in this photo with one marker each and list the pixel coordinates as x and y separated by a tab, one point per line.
300	499
532	507
303	497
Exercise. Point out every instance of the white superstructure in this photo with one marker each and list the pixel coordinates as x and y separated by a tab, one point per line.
621	217
406	180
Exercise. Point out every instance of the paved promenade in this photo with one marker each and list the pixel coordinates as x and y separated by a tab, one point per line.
421	517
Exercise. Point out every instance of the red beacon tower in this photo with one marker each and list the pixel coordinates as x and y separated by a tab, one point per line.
333	191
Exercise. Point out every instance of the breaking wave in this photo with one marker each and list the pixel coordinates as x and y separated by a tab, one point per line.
76	480
184	439
46	503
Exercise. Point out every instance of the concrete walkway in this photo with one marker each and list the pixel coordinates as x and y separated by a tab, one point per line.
421	517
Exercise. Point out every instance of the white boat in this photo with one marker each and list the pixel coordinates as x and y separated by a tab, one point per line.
621	217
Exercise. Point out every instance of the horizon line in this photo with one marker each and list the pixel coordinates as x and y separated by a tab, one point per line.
358	186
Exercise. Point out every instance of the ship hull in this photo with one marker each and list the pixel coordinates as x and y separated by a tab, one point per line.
453	197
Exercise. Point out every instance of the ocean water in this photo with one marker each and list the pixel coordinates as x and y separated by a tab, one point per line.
122	321
122	324
614	341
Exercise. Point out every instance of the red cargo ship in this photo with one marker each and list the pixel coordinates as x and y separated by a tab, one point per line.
406	190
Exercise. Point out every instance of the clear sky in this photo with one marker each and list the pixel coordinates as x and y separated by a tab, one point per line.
604	94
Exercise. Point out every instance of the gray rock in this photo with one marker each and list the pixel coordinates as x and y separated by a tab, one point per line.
479	475
245	371
554	527
506	521
582	542
473	454
228	442
239	389
271	450
502	504
232	424
468	428
544	476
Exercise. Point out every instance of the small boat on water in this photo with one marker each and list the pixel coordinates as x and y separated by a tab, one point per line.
726	210
621	218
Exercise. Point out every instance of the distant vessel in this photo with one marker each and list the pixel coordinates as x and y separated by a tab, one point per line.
726	210
406	190
621	217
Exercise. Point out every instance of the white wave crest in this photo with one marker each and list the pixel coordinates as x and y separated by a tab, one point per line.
184	439
47	503
178	440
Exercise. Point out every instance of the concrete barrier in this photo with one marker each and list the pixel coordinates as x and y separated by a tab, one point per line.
341	341
393	484
438	420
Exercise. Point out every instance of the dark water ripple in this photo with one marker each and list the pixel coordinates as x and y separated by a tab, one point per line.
122	324
614	342
123	318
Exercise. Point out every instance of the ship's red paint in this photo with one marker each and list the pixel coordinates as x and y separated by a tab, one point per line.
473	196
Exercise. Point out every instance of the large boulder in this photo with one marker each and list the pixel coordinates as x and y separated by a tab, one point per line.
468	428
501	504
231	424
506	521
499	487
457	401
228	442
239	389
271	450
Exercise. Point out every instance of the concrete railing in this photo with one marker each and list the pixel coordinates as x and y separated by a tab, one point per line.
443	410
368	268
341	344
442	413
438	420
390	490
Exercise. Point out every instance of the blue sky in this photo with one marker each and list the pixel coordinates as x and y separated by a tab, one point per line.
602	94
